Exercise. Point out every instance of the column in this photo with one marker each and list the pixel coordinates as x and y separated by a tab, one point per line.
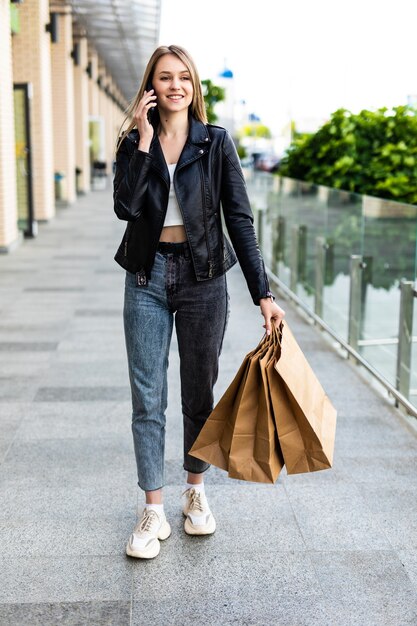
63	104
82	155
32	64
9	235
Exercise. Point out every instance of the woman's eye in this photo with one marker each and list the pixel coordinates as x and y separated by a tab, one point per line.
165	78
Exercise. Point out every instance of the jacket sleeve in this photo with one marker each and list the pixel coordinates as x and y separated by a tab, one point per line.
130	181
239	221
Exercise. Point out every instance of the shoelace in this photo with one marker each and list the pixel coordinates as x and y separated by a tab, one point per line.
195	501
147	520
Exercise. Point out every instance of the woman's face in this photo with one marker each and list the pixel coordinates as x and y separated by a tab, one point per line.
172	84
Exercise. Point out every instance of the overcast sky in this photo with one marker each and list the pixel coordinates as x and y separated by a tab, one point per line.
303	58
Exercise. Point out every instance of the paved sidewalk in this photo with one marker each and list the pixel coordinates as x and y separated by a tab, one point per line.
333	548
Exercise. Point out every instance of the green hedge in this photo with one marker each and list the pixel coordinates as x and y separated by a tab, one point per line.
372	152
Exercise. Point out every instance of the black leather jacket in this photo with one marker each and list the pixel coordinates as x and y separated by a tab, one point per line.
208	174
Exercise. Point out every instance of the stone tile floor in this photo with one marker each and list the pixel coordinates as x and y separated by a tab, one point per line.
333	548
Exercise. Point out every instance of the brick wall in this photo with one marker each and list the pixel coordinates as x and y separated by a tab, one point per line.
32	63
82	156
8	196
63	105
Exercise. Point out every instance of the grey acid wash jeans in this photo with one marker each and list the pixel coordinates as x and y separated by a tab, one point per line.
200	311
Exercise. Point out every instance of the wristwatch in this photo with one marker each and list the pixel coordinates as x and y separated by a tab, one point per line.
269	294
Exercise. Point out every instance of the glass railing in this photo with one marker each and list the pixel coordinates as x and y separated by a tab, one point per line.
351	261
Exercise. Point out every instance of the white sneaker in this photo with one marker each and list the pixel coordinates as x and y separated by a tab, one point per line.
200	520
144	541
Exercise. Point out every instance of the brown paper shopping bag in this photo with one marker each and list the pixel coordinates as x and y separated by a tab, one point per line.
213	442
254	452
304	416
267	449
274	411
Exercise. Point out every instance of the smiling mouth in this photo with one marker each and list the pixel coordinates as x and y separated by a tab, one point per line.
175	97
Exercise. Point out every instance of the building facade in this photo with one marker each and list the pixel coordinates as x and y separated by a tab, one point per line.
66	78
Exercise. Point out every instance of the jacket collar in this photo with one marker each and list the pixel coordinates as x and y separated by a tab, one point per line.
198	137
198	132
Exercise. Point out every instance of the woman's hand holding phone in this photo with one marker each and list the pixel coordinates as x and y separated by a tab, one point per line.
141	117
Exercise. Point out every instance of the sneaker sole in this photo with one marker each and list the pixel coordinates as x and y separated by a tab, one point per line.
155	546
209	529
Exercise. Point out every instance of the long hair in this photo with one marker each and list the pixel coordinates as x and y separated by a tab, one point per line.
198	108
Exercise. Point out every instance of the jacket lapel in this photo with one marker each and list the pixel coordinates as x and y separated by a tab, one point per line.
196	146
158	161
197	142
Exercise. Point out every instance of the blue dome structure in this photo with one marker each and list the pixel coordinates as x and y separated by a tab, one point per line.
226	73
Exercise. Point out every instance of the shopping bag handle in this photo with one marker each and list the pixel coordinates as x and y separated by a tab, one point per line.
276	334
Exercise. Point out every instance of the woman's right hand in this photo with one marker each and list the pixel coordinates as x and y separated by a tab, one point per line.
145	129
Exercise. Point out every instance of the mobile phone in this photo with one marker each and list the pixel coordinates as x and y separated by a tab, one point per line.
150	111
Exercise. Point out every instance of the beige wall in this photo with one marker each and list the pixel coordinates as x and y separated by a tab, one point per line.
105	113
8	195
93	90
118	115
63	105
63	98
82	156
32	63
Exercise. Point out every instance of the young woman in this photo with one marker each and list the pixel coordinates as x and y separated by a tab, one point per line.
173	173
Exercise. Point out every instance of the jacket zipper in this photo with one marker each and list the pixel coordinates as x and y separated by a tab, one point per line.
210	262
127	237
161	224
182	213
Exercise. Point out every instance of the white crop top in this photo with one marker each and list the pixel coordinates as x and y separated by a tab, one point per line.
173	216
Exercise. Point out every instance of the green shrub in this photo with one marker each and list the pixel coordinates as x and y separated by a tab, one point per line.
372	152
212	94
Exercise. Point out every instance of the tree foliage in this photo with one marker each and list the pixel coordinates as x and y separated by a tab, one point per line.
212	94
372	152
255	129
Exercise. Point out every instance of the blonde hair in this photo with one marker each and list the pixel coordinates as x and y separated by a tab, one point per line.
198	107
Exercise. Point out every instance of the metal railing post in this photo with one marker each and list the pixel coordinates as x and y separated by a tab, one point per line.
355	301
302	252
281	238
274	239
320	262
295	231
405	337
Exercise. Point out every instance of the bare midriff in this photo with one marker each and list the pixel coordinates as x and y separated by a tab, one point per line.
173	234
